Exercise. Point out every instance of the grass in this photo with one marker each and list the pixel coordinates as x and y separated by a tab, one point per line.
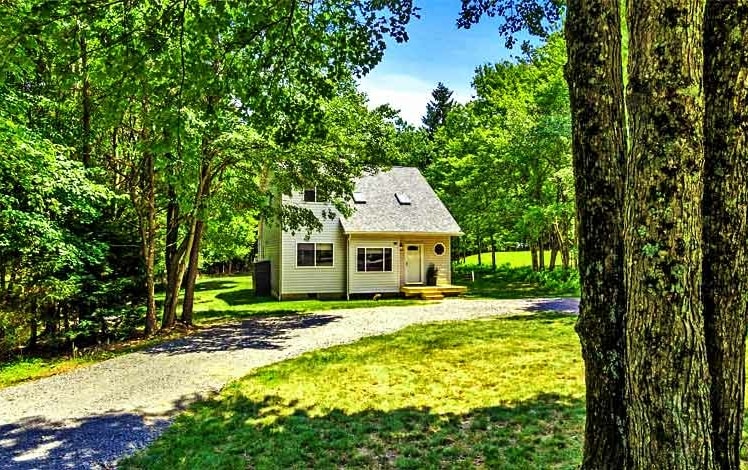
217	300
229	298
515	259
500	393
501	286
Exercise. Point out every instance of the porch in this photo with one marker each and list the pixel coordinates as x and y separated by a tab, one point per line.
432	292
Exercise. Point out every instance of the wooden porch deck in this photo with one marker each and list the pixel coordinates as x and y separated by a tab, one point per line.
432	292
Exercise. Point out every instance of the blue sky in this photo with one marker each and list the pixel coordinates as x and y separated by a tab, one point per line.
437	51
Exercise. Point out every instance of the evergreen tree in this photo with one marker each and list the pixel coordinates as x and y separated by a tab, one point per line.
438	108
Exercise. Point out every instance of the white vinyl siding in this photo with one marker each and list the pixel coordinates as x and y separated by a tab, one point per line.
313	279
270	250
442	262
373	281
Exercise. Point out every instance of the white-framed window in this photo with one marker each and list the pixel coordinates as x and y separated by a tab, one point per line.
373	260
439	249
310	255
313	195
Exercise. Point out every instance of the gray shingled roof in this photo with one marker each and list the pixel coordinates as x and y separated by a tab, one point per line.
383	213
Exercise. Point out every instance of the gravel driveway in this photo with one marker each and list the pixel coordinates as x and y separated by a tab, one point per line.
89	417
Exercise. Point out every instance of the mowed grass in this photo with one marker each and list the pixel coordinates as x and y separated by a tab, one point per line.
500	393
220	299
515	259
217	300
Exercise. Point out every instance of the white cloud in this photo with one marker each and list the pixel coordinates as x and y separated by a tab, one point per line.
407	93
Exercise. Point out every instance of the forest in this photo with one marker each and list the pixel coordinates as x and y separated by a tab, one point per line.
140	139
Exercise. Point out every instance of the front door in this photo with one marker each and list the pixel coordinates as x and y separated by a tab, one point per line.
413	271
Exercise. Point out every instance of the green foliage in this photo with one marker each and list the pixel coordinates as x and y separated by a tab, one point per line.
438	109
503	160
428	396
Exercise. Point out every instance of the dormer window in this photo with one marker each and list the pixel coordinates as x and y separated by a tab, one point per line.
314	195
359	198
403	199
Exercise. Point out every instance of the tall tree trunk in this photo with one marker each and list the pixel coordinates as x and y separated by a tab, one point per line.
179	262
725	227
493	253
541	254
192	271
85	98
171	248
668	381
595	77
534	256
480	252
554	255
148	240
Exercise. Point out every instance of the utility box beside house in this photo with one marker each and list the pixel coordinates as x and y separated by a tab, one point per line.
261	279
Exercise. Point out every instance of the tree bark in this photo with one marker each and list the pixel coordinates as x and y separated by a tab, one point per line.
595	77
85	99
171	248
541	254
668	381
554	255
192	271
493	253
148	240
725	227
534	256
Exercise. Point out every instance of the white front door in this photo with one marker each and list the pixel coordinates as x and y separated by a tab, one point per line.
413	264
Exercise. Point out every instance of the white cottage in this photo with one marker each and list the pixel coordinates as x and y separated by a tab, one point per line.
399	229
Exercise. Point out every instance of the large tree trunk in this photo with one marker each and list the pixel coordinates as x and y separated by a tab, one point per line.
189	287
171	249
595	76
148	241
668	382
725	227
179	262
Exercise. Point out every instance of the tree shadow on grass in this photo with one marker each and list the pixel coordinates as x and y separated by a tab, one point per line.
242	297
215	285
255	333
541	432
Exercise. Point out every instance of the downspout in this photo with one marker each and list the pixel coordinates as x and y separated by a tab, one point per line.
348	267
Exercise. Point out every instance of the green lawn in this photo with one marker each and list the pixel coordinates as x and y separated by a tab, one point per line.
515	259
501	393
217	300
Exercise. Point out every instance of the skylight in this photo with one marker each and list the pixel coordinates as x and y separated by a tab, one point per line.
403	199
359	198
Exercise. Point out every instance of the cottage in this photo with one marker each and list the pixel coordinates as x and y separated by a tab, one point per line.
398	234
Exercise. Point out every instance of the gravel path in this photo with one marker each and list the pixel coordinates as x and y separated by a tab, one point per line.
89	417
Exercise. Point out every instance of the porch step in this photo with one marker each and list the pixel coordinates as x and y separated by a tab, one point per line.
432	296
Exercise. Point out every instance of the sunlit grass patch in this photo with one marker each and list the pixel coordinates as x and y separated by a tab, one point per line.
501	393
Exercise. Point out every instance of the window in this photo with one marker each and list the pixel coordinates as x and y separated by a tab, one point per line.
324	254
313	195
310	195
314	254
439	249
374	260
359	198
403	199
